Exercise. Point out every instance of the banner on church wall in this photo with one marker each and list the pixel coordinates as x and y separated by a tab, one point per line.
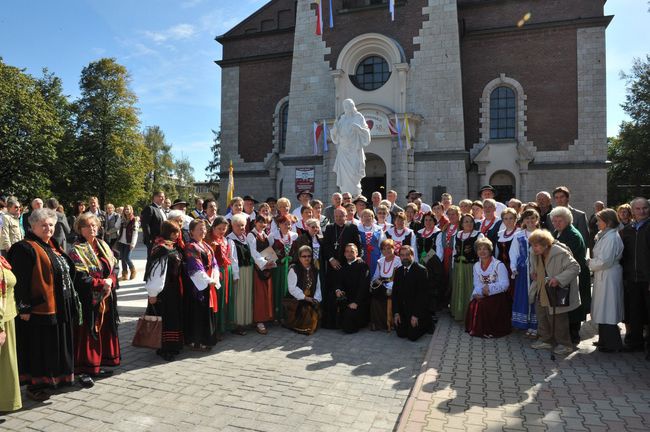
378	122
305	178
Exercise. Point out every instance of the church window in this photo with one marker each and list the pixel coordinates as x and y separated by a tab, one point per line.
284	121
503	113
372	73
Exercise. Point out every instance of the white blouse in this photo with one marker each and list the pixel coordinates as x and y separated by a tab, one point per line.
495	277
296	291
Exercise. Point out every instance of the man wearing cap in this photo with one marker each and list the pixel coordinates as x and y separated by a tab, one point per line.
271	201
181	205
249	207
413	195
488	191
360	203
304	197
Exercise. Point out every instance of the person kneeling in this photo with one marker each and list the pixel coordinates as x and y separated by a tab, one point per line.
410	297
489	311
302	308
352	292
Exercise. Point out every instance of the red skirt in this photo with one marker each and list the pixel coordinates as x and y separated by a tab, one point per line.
489	316
262	299
90	353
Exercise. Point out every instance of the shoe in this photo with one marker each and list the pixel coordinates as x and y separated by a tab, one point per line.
541	345
125	275
103	373
133	274
37	395
261	329
596	344
563	350
86	381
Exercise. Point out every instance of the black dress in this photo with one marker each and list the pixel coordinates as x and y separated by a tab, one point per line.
354	281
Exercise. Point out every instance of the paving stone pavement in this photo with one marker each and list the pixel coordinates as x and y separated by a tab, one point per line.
476	384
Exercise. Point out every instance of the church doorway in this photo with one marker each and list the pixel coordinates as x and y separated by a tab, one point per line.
504	183
375	179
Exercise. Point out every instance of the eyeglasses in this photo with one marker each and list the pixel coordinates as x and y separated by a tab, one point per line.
305	256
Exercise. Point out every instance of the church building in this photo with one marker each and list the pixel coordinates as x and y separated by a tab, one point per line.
457	94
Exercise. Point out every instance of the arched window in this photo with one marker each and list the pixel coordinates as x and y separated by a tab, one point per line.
503	113
284	120
372	73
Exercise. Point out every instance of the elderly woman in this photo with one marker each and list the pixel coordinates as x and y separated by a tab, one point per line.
164	287
302	309
381	287
283	207
382	217
96	340
464	259
491	223
10	384
243	289
553	267
47	305
565	232
489	311
181	219
127	238
607	304
624	212
201	304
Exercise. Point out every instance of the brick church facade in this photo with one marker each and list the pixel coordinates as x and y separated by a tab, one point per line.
506	92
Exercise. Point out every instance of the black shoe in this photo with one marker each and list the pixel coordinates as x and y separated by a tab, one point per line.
103	373
597	343
86	381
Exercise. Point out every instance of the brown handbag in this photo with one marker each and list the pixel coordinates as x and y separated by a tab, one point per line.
148	332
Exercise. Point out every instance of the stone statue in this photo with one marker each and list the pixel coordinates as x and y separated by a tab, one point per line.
351	134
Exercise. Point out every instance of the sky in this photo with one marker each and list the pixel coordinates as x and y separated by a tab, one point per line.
169	49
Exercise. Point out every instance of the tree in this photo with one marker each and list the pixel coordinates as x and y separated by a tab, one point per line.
113	160
630	151
29	134
184	176
214	166
160	177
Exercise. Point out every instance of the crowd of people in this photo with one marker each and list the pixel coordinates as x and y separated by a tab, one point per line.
356	263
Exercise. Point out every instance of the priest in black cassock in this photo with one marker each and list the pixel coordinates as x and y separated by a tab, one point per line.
353	291
335	237
410	297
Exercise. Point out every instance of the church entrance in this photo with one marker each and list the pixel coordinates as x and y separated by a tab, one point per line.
375	179
504	183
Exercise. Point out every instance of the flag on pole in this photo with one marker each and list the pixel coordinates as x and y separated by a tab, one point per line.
325	147
399	131
315	127
331	15
391	8
407	131
231	184
319	18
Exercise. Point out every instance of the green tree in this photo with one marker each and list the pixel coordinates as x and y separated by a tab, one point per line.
113	160
214	166
630	151
160	177
29	134
184	176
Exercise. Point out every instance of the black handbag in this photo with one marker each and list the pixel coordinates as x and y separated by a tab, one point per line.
558	296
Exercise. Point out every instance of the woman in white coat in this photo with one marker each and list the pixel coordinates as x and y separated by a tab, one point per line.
607	296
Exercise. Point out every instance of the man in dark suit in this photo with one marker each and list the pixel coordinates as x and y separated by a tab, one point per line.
561	195
391	196
335	237
353	291
411	297
151	220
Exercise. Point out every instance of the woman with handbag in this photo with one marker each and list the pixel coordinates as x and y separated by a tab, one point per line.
201	299
555	289
607	303
489	311
381	287
96	339
165	288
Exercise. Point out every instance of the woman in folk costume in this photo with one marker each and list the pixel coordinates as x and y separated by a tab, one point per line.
445	249
96	340
489	311
523	310
165	288
265	210
464	259
281	242
310	237
401	234
381	287
491	223
427	240
201	299
48	307
263	290
302	309
382	218
371	236
10	385
243	288
505	241
306	213
226	256
283	207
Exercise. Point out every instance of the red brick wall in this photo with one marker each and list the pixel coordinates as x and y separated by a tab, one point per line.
544	63
262	85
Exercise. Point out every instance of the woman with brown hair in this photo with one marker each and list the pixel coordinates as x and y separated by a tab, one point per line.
264	293
96	339
126	241
523	307
464	259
